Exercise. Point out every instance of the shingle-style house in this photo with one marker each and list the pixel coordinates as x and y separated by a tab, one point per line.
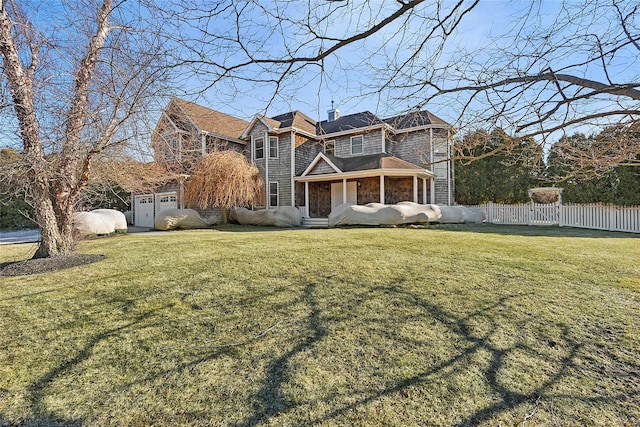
315	166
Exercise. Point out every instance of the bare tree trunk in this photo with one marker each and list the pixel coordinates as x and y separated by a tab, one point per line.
224	216
53	212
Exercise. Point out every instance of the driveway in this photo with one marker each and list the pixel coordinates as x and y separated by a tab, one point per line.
21	236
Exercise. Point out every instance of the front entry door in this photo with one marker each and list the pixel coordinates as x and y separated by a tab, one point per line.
337	196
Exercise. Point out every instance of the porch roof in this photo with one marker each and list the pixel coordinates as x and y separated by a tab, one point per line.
362	167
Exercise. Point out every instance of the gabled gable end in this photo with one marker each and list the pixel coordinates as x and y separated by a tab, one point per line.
320	157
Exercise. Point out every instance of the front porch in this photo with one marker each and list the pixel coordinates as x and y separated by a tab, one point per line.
317	196
330	181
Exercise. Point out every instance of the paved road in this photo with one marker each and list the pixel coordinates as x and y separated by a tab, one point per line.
22	236
29	236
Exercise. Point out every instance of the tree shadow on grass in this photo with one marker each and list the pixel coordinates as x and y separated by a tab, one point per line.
534	231
37	390
271	401
507	399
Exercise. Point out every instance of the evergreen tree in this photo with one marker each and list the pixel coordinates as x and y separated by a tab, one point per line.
570	166
496	167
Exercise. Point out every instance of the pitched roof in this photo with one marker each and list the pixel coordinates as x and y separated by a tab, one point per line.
212	121
371	161
344	123
297	120
414	119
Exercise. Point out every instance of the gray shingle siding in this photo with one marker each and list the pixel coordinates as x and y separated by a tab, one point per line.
305	154
413	147
321	168
274	169
280	169
371	144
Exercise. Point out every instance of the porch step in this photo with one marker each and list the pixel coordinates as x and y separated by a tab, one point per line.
315	222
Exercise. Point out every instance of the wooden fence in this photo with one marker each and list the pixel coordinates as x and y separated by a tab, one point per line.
595	216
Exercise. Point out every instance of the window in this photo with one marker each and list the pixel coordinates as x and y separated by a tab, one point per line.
273	147
167	199
330	147
440	169
356	144
273	194
440	146
258	144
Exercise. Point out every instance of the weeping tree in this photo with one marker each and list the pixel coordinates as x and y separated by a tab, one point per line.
224	179
78	79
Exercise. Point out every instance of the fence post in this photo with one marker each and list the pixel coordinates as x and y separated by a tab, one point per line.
611	211
490	212
531	207
560	215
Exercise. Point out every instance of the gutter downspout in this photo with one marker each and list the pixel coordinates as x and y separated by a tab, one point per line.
267	152
293	168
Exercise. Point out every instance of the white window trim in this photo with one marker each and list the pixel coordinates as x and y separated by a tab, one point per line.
277	194
333	142
255	149
277	149
361	144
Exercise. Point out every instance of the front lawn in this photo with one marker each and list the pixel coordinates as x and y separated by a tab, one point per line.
460	325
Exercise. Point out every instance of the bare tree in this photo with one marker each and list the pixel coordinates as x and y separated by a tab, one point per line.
224	179
81	75
546	67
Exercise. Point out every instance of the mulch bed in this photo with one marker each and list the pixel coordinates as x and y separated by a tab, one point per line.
46	265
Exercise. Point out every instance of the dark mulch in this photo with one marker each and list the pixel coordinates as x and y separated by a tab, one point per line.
46	265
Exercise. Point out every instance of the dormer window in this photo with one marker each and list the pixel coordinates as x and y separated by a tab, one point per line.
330	147
356	144
258	144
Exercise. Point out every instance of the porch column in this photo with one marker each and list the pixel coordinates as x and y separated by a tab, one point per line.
344	190
306	197
424	191
415	189
382	189
433	191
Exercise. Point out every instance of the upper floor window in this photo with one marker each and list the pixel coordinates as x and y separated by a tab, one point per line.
356	144
440	146
273	194
258	144
273	147
330	147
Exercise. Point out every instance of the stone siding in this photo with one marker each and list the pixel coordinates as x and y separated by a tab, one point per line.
369	190
319	199
398	190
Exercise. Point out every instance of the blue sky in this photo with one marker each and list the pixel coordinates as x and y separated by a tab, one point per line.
347	79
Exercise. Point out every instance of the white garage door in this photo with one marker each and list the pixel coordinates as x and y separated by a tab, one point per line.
166	201
144	211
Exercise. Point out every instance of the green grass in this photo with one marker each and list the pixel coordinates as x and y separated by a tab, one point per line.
460	325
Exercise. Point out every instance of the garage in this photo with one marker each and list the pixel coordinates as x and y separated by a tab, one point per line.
166	201
147	206
143	213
